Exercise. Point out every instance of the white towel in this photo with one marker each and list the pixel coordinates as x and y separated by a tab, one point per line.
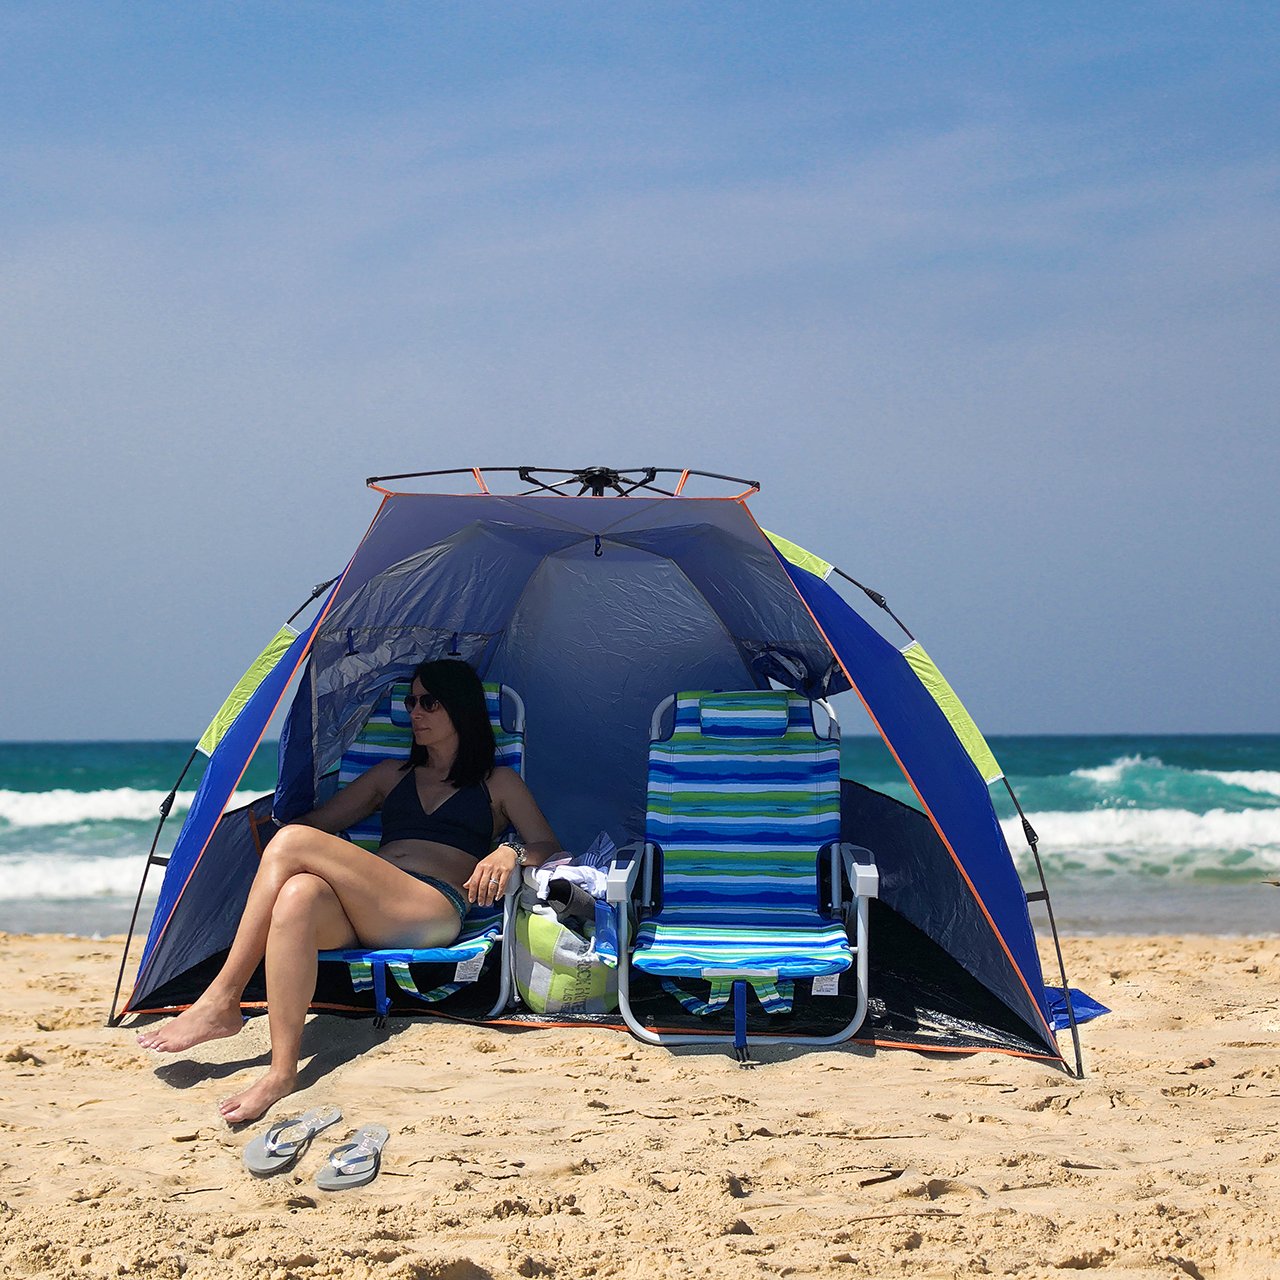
592	879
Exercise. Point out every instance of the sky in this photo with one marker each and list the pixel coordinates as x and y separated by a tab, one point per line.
984	297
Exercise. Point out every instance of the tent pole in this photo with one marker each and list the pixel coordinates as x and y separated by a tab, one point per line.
1043	896
315	592
596	479
876	598
114	1019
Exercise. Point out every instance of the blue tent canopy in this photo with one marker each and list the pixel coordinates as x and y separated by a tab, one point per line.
594	609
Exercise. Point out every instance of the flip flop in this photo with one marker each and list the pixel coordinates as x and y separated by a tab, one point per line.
355	1163
280	1146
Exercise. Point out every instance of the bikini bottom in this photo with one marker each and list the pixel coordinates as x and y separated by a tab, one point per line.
456	899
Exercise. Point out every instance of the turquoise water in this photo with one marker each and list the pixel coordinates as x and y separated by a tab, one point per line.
1138	834
77	820
1201	808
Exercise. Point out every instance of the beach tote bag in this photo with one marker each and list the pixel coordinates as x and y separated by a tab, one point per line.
557	970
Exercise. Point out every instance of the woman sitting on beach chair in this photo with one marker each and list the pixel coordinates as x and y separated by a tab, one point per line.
317	892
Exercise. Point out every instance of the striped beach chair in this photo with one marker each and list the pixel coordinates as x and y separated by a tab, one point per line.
387	735
743	800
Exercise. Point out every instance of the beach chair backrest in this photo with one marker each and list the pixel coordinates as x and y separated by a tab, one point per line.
387	735
742	796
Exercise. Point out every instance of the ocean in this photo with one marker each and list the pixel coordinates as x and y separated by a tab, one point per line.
1137	834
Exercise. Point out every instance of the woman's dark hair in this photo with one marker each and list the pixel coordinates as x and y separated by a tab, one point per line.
458	689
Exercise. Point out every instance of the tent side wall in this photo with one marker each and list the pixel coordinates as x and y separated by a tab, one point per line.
954	797
929	935
222	775
204	919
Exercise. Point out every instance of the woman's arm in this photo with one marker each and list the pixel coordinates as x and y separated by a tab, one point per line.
521	811
356	801
517	806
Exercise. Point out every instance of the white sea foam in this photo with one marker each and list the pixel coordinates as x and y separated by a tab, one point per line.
1262	780
1158	840
66	808
59	808
60	877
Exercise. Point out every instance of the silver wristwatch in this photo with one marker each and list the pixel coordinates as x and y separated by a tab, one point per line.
518	845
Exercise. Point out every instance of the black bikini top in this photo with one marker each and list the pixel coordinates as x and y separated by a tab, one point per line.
464	821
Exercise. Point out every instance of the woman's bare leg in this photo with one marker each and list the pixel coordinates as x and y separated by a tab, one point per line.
383	906
216	1013
307	918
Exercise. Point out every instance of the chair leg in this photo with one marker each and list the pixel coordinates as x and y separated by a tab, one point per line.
506	959
381	1001
740	1021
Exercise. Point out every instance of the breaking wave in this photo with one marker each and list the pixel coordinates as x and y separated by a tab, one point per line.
63	877
60	808
1178	843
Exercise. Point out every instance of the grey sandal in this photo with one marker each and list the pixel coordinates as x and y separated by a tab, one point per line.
280	1146
355	1163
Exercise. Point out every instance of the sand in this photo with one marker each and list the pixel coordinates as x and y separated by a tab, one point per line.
567	1153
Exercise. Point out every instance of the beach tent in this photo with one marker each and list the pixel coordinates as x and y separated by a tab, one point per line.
595	594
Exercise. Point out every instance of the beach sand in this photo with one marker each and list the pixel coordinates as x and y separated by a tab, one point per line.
572	1153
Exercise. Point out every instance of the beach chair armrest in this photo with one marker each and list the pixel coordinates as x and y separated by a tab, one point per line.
860	871
624	873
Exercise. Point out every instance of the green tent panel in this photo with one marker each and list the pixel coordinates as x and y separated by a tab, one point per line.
259	669
959	718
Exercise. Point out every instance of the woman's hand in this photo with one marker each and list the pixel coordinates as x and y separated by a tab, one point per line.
489	880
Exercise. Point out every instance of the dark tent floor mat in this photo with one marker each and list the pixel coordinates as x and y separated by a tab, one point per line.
919	997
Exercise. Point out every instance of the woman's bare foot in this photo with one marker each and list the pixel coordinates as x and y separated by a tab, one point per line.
207	1019
258	1098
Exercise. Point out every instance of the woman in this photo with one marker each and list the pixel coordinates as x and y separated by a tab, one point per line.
317	892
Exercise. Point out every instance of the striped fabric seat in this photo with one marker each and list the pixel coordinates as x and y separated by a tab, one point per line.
370	969
742	797
387	735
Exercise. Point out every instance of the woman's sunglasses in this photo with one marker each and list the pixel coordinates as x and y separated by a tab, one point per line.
425	701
